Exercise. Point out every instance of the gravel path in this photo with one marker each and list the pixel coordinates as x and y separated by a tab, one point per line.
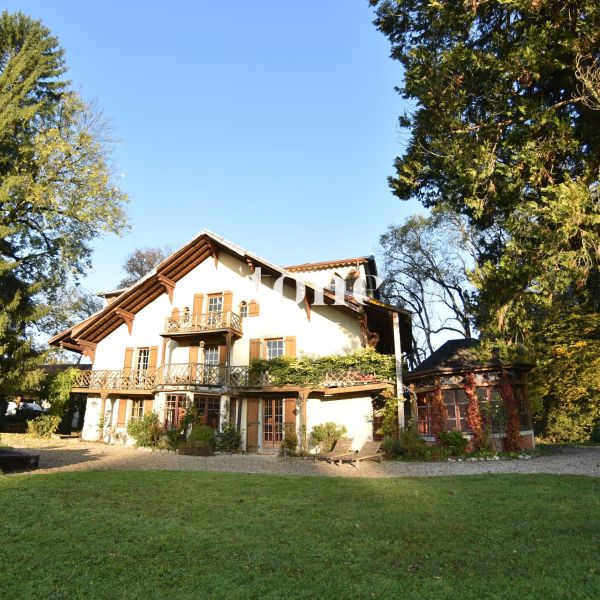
75	455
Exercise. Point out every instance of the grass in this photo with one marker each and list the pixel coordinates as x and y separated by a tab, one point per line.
135	534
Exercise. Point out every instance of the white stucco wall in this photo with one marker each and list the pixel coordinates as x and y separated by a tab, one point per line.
353	412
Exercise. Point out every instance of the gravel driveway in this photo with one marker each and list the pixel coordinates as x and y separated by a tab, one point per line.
75	455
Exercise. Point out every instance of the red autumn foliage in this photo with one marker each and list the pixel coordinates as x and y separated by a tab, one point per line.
511	441
473	414
438	412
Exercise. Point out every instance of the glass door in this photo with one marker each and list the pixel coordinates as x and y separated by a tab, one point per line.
272	424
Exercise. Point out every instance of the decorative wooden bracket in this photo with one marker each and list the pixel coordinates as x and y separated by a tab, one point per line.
86	348
307	306
215	252
250	263
127	318
169	286
363	327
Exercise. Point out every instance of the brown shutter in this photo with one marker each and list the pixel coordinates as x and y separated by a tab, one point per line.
153	358
253	308
128	359
290	415
290	345
254	349
175	313
122	413
252	425
194	353
222	354
227	300
198	302
148	406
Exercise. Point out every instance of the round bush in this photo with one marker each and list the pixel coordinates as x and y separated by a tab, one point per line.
203	433
195	448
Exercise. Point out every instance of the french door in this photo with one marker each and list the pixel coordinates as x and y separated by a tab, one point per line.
272	424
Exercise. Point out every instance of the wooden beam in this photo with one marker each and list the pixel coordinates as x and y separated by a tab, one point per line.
127	318
169	285
250	263
307	304
353	389
215	252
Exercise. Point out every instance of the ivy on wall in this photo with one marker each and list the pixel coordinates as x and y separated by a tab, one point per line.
309	370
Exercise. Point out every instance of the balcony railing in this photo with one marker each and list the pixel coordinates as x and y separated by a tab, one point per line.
118	380
198	374
222	319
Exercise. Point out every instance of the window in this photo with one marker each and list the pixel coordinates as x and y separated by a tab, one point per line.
215	303
243	310
174	409
137	409
274	348
143	358
335	283
211	356
351	278
210	408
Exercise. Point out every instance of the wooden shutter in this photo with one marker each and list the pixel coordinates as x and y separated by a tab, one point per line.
252	425
194	353
290	415
153	358
255	349
148	406
175	313
222	354
227	300
253	308
128	359
290	345
122	413
198	302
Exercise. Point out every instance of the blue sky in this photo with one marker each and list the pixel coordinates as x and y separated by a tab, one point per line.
272	124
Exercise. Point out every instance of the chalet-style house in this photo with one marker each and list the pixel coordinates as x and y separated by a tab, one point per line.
187	331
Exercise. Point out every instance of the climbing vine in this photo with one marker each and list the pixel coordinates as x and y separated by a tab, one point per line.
438	412
511	441
474	419
308	370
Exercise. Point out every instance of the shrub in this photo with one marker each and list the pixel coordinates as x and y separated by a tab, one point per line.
173	439
595	435
197	448
44	426
411	445
324	436
203	433
454	441
146	431
290	442
230	439
391	446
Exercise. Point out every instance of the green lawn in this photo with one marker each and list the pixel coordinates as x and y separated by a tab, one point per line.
216	535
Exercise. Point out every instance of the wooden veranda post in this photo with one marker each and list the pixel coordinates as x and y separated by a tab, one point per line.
399	382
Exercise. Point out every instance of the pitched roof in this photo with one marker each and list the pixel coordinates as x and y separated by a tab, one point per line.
457	355
361	260
84	336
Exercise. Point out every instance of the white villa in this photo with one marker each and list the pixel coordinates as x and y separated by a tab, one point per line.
187	331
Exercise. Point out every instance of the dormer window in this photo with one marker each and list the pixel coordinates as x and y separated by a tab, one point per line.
351	279
335	281
243	310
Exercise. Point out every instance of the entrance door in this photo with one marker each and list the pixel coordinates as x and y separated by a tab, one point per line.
273	424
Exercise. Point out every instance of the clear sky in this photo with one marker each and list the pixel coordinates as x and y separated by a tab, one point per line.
272	124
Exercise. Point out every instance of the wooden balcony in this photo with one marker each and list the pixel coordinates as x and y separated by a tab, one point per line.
218	321
197	375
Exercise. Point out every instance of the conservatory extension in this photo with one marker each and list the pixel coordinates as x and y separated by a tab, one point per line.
449	366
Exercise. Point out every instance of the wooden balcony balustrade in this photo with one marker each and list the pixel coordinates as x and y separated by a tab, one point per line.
212	321
198	374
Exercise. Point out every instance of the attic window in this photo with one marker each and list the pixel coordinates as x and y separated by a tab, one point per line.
351	279
243	310
335	281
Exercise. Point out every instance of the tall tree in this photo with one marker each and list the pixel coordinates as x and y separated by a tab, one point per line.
141	261
506	129
426	265
58	188
504	132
